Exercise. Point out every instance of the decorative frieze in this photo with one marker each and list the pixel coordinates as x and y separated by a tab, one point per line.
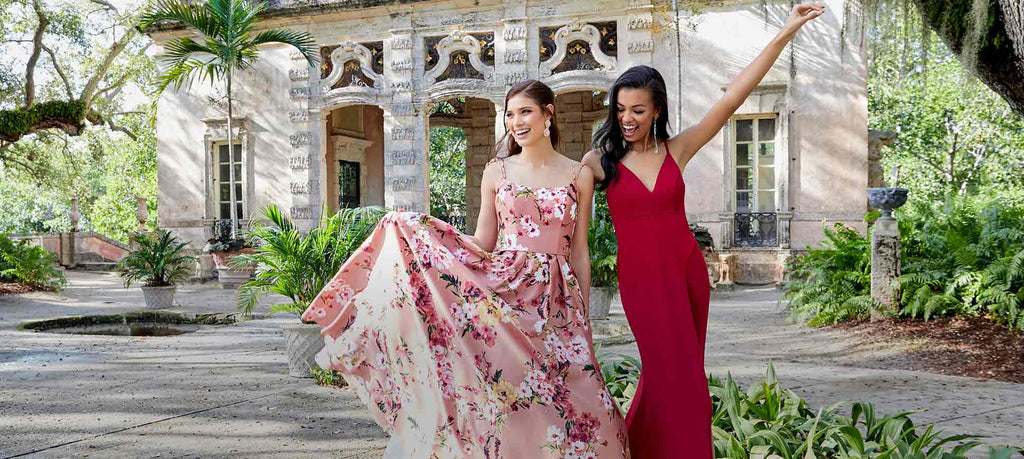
401	43
401	85
307	187
640	22
401	64
401	158
298	116
299	74
300	92
515	33
403	110
401	133
302	212
296	56
298	162
405	183
515	55
300	139
468	18
645	46
515	77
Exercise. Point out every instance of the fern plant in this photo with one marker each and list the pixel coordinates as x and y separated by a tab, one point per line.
29	265
298	265
157	261
832	283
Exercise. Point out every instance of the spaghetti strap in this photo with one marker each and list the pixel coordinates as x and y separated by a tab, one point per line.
580	169
501	165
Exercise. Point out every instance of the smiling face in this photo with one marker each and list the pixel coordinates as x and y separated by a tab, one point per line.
524	118
636	114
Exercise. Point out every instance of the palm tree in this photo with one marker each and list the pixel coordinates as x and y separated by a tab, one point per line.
228	45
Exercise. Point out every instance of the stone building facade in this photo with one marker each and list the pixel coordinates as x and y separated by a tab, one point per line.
356	130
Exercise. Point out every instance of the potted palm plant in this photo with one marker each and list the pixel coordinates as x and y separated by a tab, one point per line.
158	262
604	280
224	247
298	266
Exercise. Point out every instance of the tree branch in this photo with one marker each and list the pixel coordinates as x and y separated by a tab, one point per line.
37	45
90	88
116	84
56	66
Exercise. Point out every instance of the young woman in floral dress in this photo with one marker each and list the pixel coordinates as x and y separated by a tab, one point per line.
480	346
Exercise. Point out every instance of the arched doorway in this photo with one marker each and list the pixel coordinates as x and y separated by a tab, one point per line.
461	141
354	157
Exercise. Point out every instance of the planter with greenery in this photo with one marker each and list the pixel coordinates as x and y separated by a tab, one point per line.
298	266
604	280
28	265
159	264
224	247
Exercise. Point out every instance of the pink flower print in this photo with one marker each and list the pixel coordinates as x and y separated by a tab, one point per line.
542	274
529	227
606	401
462	255
511	242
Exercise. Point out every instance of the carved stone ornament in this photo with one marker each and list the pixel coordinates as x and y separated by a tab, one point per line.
351	51
574	32
462	45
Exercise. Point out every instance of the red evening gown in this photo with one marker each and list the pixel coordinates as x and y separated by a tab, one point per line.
664	285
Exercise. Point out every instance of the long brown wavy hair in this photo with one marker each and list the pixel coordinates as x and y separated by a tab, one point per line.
543	96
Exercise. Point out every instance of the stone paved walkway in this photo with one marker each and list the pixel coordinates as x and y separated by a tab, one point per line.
225	391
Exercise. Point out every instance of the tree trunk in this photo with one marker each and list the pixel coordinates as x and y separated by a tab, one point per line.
995	59
231	165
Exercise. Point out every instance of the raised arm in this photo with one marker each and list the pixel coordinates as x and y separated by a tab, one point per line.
690	140
486	235
579	251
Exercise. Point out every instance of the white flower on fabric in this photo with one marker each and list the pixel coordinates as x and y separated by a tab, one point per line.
544	194
538	326
578	350
606	401
555	434
530	227
462	255
511	242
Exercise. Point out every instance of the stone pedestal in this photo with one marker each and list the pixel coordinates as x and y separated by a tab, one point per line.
67	250
885	267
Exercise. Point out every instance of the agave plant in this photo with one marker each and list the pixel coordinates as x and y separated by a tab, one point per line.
157	261
298	265
621	376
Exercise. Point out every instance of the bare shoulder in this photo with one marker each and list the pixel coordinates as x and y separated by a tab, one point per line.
592	159
491	172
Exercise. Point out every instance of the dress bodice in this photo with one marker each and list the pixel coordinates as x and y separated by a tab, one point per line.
535	219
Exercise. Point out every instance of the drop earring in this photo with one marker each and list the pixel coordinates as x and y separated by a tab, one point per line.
654	135
547	128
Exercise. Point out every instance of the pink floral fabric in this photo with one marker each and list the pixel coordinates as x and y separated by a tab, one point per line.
463	353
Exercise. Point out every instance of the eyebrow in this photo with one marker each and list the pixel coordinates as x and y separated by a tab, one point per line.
634	106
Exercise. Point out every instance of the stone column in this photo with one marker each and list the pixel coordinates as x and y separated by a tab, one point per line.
885	266
406	165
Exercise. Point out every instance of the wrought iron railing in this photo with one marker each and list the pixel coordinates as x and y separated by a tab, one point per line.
755	229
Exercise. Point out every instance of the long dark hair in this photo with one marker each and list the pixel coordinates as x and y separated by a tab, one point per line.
608	139
543	96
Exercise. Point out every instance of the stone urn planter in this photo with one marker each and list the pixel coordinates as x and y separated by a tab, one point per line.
159	297
225	273
601	301
304	342
887	200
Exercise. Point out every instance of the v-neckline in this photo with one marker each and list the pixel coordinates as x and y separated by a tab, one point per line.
657	178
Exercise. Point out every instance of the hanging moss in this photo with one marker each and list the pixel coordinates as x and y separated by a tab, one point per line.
18	122
952	19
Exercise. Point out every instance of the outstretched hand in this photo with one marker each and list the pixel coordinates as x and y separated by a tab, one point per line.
800	15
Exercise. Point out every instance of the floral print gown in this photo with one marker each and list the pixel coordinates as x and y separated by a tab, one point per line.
462	353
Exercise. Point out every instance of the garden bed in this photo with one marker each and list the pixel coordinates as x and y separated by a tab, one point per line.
959	346
10	288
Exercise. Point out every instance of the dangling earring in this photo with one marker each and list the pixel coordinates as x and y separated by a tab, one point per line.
547	128
654	134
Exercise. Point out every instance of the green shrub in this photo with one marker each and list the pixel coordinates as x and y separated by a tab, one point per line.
769	421
298	265
29	265
156	261
831	283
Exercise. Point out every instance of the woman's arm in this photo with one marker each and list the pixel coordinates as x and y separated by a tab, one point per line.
486	235
593	161
690	140
579	251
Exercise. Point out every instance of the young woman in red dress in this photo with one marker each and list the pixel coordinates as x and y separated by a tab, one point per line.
662	276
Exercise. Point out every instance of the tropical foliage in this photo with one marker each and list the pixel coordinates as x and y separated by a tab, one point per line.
767	420
28	264
158	260
298	265
448	174
961	257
